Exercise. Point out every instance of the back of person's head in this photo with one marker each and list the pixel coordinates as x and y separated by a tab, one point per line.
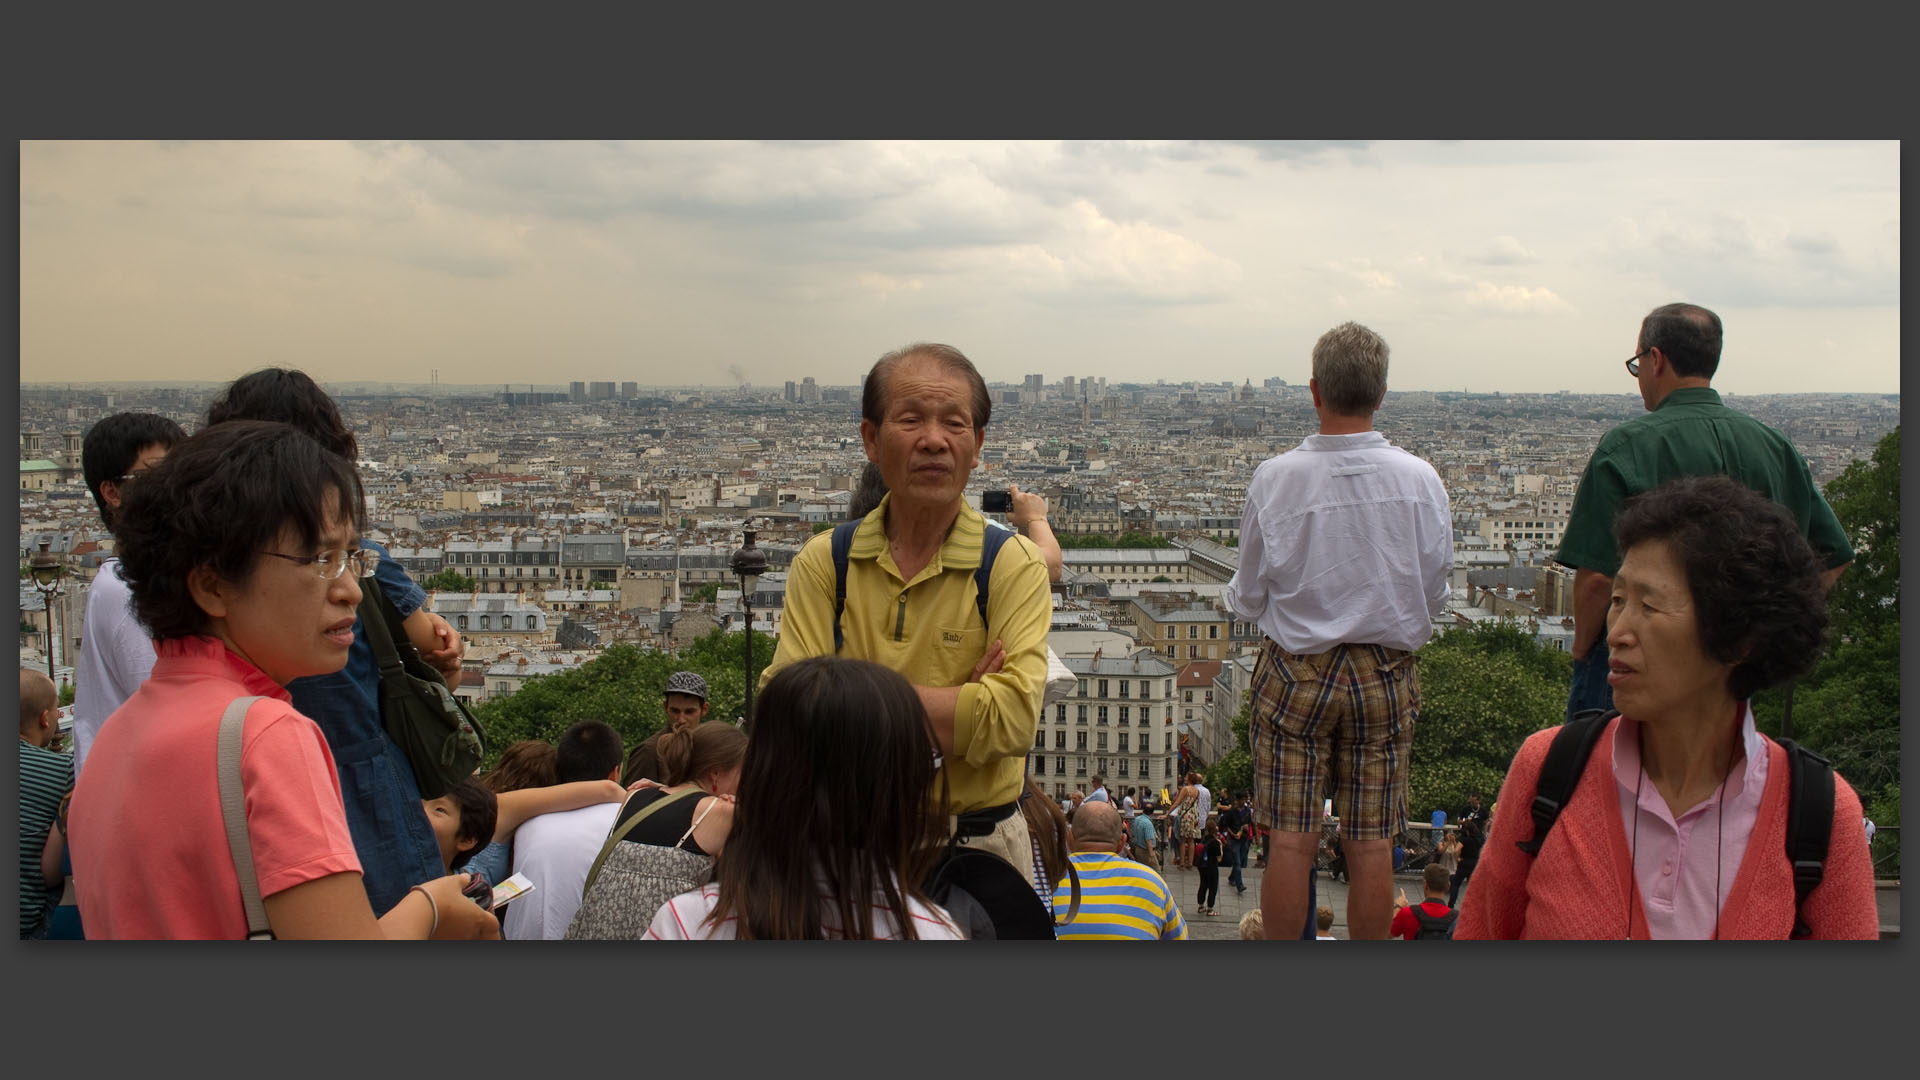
1471	828
1350	366
1689	334
291	397
1436	878
875	396
1097	823
1758	599
589	750
867	493
37	695
1324	918
1047	824
112	447
528	763
220	499
836	787
479	815
1253	926
690	757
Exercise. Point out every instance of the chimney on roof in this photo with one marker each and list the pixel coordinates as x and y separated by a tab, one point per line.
1096	655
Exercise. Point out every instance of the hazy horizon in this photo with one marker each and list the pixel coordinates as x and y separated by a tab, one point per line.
1489	267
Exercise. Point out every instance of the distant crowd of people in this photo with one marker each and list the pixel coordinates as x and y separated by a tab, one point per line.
235	771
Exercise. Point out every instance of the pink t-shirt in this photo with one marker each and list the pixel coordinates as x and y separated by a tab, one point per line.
150	857
1685	867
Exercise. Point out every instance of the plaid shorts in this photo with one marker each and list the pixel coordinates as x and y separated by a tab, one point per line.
1339	725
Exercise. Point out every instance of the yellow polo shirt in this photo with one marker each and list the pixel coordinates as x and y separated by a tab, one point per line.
929	630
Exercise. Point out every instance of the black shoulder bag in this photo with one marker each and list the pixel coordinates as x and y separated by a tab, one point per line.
442	740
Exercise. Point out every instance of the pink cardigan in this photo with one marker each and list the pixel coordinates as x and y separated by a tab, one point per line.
1578	886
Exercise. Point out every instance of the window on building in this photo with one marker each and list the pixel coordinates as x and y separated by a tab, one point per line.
1167	632
1189	714
1039	740
463	621
1213	631
1060	714
1123	743
1124	711
1080	766
1169	748
1080	714
1079	740
1193	652
1083	688
1100	766
1187	696
1193	631
1170	651
1146	689
1060	739
1124	685
1039	766
1101	715
1103	688
1060	769
1146	768
1100	743
1209	697
1123	768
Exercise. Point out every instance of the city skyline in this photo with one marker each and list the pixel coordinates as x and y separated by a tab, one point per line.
1513	267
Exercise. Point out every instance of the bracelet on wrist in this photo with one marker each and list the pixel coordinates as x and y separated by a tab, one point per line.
433	905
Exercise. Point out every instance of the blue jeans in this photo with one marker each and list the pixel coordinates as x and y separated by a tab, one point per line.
1590	689
1237	856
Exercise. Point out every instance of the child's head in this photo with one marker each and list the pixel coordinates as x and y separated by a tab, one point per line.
1324	919
1253	926
463	821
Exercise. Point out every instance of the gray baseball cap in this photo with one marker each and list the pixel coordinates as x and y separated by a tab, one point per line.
686	682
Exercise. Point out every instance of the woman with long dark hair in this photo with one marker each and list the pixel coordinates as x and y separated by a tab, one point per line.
838	823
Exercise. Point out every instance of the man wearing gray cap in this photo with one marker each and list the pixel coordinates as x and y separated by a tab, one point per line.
686	700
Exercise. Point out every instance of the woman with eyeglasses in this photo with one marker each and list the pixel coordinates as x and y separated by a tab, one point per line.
242	554
1678	824
836	827
391	833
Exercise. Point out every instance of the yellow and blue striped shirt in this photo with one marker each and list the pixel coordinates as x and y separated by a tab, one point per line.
1120	900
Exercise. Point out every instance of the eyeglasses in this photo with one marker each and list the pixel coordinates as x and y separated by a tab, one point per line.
1633	362
331	563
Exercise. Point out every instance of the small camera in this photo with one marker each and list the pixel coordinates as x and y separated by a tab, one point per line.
479	890
996	502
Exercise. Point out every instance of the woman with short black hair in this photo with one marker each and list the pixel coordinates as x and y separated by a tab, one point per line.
1678	825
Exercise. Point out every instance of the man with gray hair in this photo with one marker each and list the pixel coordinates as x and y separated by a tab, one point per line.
1345	547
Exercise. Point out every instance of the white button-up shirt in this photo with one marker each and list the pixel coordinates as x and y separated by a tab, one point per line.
1347	539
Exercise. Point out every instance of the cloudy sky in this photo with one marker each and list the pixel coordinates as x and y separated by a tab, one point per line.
1521	267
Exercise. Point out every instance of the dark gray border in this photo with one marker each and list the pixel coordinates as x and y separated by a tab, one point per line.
1516	70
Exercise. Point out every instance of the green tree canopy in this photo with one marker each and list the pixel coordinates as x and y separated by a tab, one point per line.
624	686
1483	690
449	580
1848	707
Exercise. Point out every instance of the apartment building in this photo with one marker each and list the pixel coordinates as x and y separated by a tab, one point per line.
1119	723
1183	625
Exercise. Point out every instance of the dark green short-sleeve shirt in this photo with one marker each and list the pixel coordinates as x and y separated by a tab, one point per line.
1692	433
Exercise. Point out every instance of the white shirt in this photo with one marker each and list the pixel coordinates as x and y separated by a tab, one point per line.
1099	795
555	851
1347	539
1204	803
116	656
680	919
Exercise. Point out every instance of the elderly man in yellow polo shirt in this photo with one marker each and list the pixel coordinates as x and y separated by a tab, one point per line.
912	597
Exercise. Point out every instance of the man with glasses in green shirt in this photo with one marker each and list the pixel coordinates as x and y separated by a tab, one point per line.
1687	432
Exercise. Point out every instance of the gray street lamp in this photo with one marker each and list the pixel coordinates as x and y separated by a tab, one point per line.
749	563
46	569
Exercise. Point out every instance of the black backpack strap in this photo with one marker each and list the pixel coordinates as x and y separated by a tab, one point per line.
1560	773
989	550
1809	824
842	545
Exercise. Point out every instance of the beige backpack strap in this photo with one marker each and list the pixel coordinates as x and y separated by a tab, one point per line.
233	809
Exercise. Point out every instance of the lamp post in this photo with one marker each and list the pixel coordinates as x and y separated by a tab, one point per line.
749	563
45	568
